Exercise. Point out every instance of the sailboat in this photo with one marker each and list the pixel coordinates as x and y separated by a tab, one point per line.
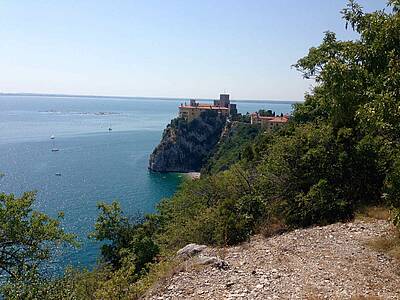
109	128
54	149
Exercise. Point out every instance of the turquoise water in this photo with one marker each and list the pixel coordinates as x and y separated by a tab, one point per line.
95	164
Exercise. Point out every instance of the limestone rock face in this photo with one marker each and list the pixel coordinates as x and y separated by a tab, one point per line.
186	146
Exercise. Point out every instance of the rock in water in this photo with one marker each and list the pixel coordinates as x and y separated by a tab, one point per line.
186	146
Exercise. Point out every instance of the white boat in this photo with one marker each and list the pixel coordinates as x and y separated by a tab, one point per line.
54	149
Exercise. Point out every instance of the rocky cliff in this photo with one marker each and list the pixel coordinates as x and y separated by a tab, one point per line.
186	146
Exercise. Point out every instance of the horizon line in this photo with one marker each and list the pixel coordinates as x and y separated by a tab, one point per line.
136	97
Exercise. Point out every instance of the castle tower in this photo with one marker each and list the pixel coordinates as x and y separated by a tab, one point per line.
224	100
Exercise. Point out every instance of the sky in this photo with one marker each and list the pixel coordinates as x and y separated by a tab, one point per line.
164	48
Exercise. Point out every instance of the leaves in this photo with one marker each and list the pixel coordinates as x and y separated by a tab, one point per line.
28	240
124	239
28	237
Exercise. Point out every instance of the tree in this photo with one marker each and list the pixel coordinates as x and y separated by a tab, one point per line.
357	95
395	4
358	81
266	113
126	240
28	238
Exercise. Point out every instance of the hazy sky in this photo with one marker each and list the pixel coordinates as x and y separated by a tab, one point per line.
171	48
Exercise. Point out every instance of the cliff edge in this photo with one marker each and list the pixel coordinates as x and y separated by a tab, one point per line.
186	146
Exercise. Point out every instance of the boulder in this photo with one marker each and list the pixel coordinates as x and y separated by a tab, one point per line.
191	250
213	261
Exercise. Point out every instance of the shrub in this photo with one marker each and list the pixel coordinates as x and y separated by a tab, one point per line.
322	205
125	240
237	219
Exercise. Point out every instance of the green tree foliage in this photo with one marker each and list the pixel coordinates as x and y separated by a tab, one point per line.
358	80
266	113
238	218
234	145
40	288
357	93
199	211
28	237
322	171
306	164
124	240
27	242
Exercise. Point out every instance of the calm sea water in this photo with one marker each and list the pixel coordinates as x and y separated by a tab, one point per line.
95	164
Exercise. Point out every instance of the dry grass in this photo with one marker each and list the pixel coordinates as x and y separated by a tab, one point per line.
156	278
273	227
388	244
374	212
222	252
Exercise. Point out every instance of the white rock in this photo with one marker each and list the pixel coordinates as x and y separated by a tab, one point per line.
191	249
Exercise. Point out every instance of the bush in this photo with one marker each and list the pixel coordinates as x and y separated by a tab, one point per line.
321	205
392	185
238	219
218	209
125	240
235	144
318	175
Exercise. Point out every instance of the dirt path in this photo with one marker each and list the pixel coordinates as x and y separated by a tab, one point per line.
331	262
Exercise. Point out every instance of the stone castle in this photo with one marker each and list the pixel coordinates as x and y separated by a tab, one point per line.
192	111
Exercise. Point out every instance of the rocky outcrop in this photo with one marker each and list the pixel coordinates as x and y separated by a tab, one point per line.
331	262
194	254
186	146
191	250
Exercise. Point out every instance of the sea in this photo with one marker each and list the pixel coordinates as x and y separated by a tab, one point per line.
93	164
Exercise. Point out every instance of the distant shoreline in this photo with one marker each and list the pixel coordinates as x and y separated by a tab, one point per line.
149	98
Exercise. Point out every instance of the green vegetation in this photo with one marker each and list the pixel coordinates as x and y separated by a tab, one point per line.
233	143
266	113
339	153
27	242
242	118
126	241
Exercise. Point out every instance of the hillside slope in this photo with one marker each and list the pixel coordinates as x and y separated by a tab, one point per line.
331	262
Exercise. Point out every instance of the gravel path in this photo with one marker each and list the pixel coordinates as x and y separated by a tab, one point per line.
330	262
